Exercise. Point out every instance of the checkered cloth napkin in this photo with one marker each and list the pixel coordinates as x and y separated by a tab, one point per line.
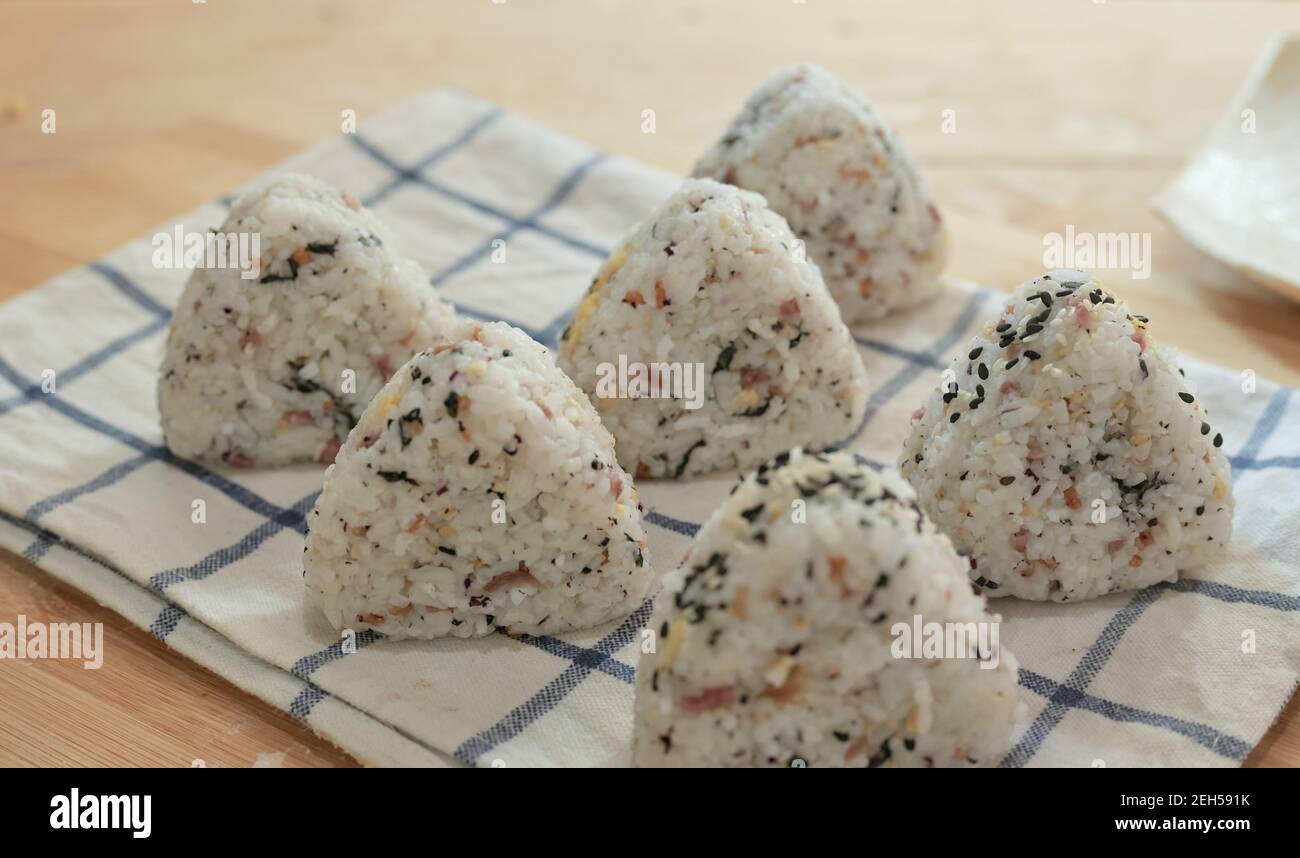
88	492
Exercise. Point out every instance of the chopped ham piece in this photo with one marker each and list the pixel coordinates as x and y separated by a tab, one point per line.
236	459
1082	312
710	698
328	452
520	577
749	376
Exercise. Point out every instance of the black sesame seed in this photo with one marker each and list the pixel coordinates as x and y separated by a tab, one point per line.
1186	397
984	372
1011	363
1218	440
1003	326
1205	428
1032	355
1200	510
1031	329
975	352
1006	481
955	416
1007	340
1142	365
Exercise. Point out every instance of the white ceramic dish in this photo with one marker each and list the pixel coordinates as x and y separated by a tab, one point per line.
1239	197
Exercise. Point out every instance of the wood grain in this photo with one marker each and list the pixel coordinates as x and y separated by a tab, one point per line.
1068	112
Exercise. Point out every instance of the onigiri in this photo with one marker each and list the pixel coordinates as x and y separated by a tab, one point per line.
274	365
477	492
831	166
786	638
1066	453
708	342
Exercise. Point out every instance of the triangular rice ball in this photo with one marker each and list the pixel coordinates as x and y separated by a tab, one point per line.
275	368
478	492
829	164
820	619
1066	453
708	342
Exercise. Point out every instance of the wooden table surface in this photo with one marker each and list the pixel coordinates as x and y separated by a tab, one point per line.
1067	112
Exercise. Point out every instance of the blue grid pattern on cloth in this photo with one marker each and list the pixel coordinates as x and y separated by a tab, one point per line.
1061	697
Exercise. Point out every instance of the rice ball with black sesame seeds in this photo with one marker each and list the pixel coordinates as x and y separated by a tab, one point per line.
785	636
828	163
707	300
1066	452
478	492
276	368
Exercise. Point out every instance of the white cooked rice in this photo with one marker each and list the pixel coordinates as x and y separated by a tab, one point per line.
776	636
478	492
711	279
829	164
277	369
1079	462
